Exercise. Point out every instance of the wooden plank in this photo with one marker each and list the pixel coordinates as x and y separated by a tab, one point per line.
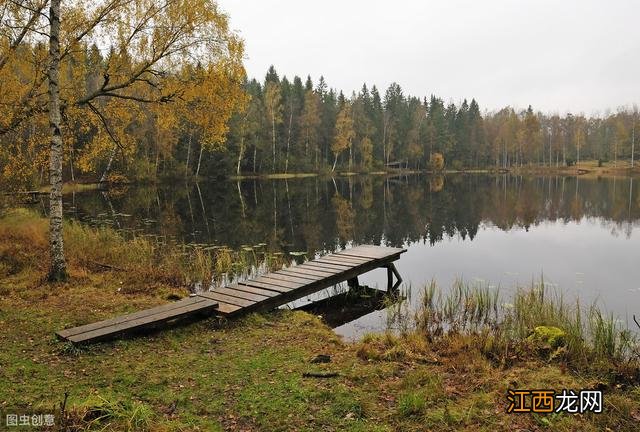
280	283
302	274
371	248
307	272
334	263
253	290
375	255
263	285
368	251
128	317
226	309
241	294
311	265
362	254
226	298
347	258
287	278
324	271
144	321
327	281
331	262
387	249
322	267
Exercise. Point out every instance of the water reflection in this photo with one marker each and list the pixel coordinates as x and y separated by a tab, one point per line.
314	214
501	229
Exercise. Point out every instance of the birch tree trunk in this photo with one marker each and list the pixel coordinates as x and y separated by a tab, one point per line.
199	160
73	177
240	154
255	153
273	138
186	168
286	162
58	269
112	156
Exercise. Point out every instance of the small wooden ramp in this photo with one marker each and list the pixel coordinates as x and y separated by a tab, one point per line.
262	293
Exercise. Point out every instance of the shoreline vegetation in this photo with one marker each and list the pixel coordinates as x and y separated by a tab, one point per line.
447	366
284	127
586	169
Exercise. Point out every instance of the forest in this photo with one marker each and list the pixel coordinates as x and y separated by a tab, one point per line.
289	126
143	110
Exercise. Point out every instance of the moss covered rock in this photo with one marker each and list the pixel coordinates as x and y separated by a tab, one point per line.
548	335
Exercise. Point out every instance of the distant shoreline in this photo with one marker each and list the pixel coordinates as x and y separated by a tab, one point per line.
584	170
581	170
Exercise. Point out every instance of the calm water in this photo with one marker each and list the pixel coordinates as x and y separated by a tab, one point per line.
581	234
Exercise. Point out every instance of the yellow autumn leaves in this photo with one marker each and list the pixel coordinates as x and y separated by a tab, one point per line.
136	76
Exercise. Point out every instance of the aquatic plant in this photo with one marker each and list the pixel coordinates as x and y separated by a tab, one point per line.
536	318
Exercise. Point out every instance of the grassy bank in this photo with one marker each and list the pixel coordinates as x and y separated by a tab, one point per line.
253	374
588	168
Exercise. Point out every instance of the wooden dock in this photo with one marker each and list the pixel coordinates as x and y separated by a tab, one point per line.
259	294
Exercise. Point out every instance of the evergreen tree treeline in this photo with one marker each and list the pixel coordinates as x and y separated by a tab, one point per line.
291	126
281	125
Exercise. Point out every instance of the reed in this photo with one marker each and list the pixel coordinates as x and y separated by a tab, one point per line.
142	259
503	327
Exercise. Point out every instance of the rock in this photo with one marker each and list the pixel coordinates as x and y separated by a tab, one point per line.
548	335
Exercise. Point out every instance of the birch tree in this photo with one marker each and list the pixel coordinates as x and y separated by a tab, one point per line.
344	133
149	44
273	103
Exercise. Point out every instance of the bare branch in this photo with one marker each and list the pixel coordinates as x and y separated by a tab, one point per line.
161	99
103	120
97	19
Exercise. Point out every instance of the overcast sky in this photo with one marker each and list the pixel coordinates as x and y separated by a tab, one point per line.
557	55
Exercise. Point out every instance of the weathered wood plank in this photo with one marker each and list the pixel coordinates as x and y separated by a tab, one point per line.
322	267
304	272
334	263
361	254
287	278
347	258
280	283
298	274
128	317
371	252
256	284
367	254
142	322
241	294
226	309
226	298
253	290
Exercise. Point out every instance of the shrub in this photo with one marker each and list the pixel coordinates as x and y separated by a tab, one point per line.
436	161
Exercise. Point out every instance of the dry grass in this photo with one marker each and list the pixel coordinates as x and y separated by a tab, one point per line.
142	261
250	374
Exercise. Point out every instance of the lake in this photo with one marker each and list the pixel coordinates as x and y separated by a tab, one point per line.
579	234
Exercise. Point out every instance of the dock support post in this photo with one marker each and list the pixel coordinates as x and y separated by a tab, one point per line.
353	282
392	271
